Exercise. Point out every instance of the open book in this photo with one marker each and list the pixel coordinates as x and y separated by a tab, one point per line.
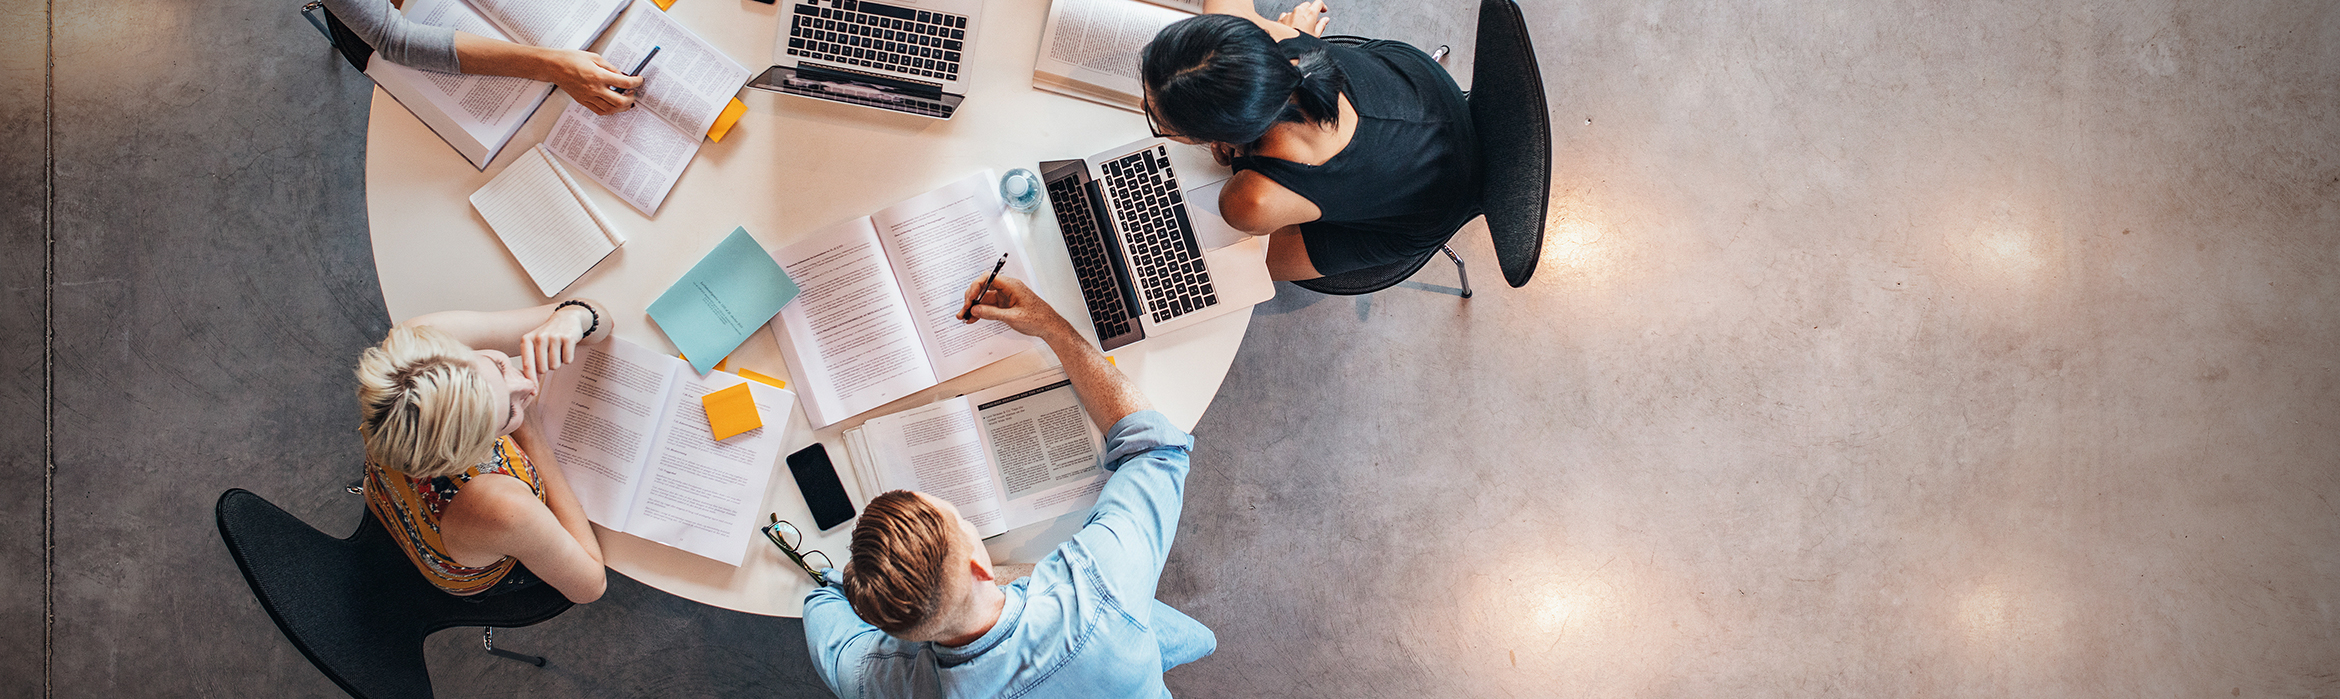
878	316
1017	454
640	153
550	226
632	437
1090	48
477	114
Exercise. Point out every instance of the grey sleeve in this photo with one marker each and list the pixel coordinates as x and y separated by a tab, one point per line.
410	44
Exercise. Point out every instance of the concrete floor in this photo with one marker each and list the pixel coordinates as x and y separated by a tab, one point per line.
1897	348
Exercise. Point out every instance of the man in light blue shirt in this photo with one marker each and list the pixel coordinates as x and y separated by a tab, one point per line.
1084	624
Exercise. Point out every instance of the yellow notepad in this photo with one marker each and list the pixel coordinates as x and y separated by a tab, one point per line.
731	411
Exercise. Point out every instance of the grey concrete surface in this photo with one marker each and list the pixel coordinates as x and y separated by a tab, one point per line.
1900	348
24	28
1881	349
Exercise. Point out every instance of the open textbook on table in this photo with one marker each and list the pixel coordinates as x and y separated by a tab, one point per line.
629	431
1015	454
878	316
477	114
640	153
1090	48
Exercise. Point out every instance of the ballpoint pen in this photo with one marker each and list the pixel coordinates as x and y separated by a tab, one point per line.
968	312
639	66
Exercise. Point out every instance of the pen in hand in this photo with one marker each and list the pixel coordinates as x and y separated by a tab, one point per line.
968	313
639	66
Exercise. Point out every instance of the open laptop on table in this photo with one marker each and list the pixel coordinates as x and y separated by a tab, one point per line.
898	55
1149	264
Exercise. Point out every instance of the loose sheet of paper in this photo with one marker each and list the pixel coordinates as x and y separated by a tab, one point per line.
634	153
543	221
689	82
940	242
850	341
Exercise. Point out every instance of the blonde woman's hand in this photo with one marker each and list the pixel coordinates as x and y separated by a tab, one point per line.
553	344
1310	17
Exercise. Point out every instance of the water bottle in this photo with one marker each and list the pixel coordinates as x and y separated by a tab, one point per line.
1021	189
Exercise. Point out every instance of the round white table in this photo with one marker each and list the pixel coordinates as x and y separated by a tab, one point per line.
790	167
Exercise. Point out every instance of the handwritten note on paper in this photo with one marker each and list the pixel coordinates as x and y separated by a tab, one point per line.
732	291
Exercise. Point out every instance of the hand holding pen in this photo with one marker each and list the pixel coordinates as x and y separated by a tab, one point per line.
637	71
967	313
587	78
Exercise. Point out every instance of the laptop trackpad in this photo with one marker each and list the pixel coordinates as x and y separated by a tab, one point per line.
1210	229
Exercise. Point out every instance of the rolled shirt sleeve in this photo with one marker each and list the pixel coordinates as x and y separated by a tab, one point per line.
834	635
397	39
1130	530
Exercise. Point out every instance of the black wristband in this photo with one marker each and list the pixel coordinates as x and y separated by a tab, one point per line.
588	311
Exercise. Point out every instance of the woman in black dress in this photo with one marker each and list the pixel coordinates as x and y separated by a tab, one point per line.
1348	157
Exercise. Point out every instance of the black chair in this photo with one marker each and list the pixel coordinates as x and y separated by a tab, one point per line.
356	607
1515	151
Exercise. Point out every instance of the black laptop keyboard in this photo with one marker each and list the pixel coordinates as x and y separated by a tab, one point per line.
1166	258
885	37
1092	261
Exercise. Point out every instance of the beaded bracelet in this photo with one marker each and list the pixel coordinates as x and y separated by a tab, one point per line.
588	311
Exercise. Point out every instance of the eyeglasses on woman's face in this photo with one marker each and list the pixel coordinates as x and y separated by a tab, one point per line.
791	542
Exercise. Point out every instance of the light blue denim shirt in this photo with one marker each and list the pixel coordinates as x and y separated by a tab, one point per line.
1085	624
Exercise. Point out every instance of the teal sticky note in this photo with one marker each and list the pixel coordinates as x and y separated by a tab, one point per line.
723	299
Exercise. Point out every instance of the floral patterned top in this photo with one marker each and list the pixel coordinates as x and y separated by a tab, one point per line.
409	508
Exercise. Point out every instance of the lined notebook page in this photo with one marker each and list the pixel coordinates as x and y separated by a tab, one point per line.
545	221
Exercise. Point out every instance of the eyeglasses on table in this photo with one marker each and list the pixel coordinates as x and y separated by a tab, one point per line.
791	542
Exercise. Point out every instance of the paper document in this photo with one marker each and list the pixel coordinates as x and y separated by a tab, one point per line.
1012	455
882	293
640	153
478	114
631	433
730	293
1090	48
551	227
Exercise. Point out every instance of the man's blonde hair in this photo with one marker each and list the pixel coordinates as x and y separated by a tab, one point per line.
422	409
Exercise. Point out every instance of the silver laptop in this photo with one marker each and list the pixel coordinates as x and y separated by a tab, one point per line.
1148	262
899	55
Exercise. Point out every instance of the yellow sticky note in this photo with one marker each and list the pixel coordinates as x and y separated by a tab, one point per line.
664	4
1109	360
731	411
752	375
719	364
724	121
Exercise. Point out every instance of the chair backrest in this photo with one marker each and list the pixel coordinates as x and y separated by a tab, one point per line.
356	607
1515	138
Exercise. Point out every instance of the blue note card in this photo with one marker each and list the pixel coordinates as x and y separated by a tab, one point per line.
723	299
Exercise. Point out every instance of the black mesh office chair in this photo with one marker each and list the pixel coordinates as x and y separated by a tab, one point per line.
1515	151
356	607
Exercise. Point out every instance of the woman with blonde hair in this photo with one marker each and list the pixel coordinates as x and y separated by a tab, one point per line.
454	472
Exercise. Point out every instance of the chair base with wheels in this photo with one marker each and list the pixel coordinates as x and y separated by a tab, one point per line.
356	607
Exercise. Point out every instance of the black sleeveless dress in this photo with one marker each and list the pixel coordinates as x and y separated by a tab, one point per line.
1410	173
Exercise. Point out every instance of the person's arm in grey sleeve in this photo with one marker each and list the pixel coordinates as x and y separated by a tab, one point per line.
582	74
395	39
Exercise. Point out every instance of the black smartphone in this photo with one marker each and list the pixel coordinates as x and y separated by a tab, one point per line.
823	493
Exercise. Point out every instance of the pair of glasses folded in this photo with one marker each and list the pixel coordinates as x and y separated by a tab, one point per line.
791	542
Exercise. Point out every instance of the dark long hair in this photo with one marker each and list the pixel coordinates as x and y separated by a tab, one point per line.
1221	78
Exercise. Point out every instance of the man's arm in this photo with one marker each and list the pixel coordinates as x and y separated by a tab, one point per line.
834	634
1130	530
1105	392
